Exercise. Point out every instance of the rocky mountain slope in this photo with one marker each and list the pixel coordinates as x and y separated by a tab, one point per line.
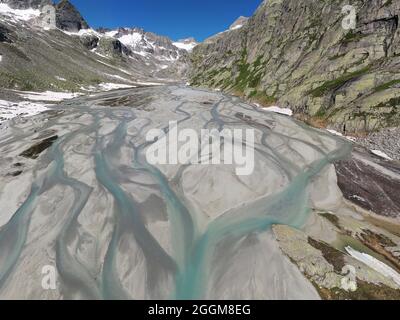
73	56
68	17
26	4
159	54
297	54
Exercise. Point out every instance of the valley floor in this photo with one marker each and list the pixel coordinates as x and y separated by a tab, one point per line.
78	194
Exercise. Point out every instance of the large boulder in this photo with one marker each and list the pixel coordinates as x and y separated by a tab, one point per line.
90	41
111	47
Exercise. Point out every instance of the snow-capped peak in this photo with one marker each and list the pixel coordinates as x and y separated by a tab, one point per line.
239	23
18	14
132	38
186	44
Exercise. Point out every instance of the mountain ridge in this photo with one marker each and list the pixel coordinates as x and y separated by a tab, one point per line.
298	55
83	57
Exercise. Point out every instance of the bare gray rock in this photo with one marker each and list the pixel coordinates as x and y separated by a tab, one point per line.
297	54
386	140
4	34
69	18
371	183
26	4
90	41
110	46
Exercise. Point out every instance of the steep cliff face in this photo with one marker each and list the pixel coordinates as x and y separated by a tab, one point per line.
298	54
69	18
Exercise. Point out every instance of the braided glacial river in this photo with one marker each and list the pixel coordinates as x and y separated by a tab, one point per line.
116	227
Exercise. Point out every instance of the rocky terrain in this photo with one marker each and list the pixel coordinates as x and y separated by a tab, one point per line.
387	140
68	17
73	57
373	184
297	54
164	58
27	4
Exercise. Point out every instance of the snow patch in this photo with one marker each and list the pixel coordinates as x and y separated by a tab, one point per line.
83	32
111	34
18	14
132	39
185	46
276	109
113	86
375	264
336	133
141	53
48	96
381	154
99	54
358	198
236	27
150	83
116	76
10	110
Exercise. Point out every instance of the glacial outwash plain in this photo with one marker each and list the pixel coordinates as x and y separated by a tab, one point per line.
117	227
317	218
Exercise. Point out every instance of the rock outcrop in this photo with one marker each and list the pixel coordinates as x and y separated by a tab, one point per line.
371	183
69	18
26	4
302	54
188	40
143	42
328	269
90	41
110	47
4	34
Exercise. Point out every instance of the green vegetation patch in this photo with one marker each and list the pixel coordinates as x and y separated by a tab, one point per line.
394	103
336	57
333	256
353	37
365	290
262	98
250	75
387	85
337	83
332	219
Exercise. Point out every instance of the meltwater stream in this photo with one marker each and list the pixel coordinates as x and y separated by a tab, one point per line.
291	155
